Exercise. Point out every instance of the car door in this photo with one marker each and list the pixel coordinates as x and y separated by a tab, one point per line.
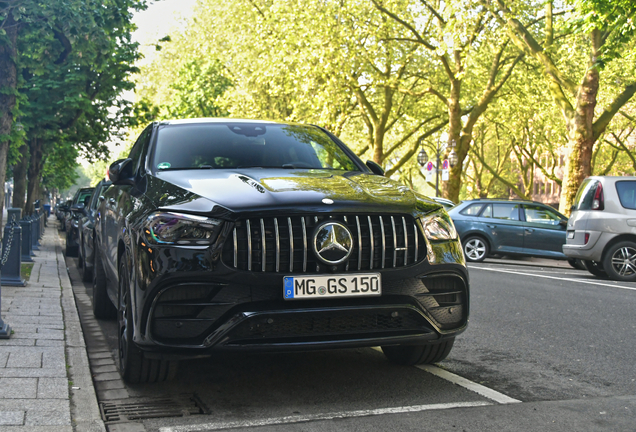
544	231
502	224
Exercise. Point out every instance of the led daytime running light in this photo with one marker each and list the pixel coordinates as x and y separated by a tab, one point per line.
181	229
439	226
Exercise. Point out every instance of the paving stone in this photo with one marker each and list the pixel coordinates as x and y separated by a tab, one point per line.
24	359
32	373
18	388
49	342
12	418
52	388
102	362
112	394
110	385
107	376
105	368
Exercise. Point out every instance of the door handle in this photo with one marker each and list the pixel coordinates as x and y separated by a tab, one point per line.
529	230
491	226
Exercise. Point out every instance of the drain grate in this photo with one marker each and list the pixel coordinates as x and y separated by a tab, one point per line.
126	410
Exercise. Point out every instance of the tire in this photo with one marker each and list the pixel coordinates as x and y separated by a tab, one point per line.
595	268
476	249
103	308
620	261
71	251
410	355
577	264
87	272
133	365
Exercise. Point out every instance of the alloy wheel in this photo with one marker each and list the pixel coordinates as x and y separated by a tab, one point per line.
624	261
475	249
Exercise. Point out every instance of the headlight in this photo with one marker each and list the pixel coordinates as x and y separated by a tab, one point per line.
181	229
438	226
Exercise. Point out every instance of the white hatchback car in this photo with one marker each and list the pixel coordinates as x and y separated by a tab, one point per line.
602	228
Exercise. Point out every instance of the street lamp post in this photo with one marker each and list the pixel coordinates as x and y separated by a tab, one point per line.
422	158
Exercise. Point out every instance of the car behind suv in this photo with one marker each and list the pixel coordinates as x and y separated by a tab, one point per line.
602	228
509	227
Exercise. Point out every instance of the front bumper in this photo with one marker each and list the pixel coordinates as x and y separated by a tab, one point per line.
194	318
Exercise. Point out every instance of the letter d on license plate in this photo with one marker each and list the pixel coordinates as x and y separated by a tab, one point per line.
321	286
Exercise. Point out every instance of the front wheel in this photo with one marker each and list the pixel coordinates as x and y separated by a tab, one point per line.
620	261
475	249
103	308
418	354
133	365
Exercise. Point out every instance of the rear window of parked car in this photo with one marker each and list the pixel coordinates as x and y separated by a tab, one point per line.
585	195
627	193
472	210
501	211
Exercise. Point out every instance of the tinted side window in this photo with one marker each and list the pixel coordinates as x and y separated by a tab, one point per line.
585	195
137	150
505	211
540	214
472	210
627	194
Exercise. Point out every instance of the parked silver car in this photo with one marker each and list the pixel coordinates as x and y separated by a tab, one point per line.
602	228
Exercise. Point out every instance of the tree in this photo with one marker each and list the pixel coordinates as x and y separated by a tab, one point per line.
71	77
475	58
601	29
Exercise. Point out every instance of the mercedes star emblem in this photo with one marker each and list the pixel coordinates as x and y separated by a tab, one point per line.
332	242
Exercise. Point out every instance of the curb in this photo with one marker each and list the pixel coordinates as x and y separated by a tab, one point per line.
85	413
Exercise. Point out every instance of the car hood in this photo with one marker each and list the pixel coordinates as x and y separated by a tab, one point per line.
253	189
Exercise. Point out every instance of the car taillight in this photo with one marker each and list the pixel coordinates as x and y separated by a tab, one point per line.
587	237
598	201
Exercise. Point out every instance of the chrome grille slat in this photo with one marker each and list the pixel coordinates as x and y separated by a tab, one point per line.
291	245
371	238
263	246
359	243
394	242
235	248
249	245
383	242
417	244
302	222
277	237
406	242
260	245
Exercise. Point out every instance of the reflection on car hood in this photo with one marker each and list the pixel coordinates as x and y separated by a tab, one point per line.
267	189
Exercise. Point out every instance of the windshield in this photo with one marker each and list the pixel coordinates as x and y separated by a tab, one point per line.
247	145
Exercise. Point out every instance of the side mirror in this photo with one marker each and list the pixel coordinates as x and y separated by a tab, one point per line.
375	168
120	172
78	208
572	208
563	223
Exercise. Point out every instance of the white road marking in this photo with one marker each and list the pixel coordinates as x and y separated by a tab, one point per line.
317	417
467	384
554	277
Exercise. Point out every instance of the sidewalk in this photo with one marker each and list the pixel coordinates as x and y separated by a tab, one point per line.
45	380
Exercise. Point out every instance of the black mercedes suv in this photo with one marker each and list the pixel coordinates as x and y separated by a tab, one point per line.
222	234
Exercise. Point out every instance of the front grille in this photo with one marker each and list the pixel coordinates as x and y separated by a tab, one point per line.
283	244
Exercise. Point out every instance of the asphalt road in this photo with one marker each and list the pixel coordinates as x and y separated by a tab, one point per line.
548	348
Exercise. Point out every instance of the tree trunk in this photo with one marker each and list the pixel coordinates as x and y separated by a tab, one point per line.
451	188
8	85
580	138
19	179
35	173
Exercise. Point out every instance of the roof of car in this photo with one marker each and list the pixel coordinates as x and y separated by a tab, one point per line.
503	200
218	120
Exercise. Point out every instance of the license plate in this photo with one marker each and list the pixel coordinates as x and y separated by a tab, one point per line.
570	234
321	286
